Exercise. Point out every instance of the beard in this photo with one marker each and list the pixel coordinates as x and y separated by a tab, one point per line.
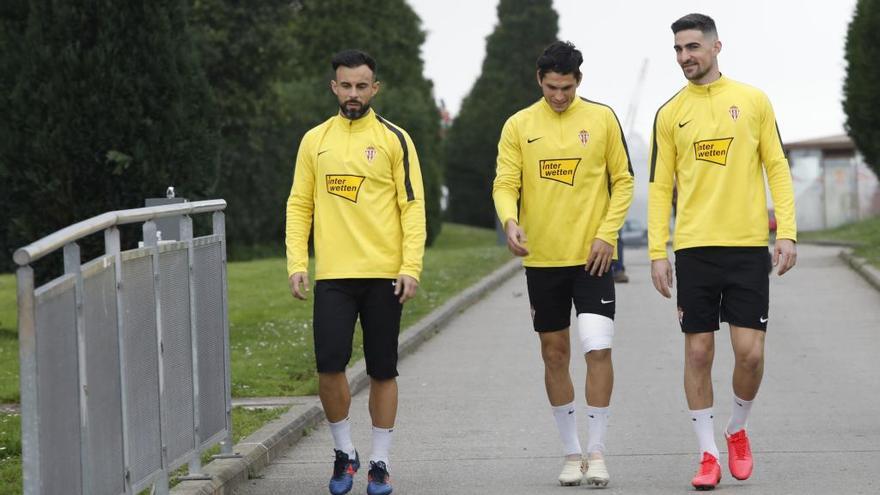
356	112
696	75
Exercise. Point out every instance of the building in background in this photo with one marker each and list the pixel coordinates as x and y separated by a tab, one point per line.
832	184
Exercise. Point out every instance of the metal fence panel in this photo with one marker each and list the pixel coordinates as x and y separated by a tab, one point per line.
177	343
142	364
102	371
58	387
208	283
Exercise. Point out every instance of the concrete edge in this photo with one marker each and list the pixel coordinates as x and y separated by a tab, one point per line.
862	267
831	242
261	447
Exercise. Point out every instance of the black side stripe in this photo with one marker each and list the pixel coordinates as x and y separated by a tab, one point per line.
654	137
622	137
410	196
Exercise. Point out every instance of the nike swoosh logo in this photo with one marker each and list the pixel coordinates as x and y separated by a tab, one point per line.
322	152
680	124
764	320
535	139
603	301
571	412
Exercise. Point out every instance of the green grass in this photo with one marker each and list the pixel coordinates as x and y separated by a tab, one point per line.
8	340
865	234
10	453
271	343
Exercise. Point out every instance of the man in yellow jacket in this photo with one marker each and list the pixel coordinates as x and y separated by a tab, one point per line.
564	182
713	142
357	175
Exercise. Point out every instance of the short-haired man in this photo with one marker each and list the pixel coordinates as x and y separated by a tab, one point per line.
358	176
713	141
564	179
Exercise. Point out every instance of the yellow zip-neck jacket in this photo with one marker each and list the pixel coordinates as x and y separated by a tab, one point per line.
710	141
572	176
361	181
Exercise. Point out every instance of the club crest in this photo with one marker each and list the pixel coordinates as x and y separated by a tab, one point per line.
734	112
370	153
584	137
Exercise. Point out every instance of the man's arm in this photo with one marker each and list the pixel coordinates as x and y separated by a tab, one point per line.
300	208
620	174
407	175
506	187
781	189
661	180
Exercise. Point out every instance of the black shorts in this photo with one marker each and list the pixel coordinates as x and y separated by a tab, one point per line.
338	303
552	290
729	284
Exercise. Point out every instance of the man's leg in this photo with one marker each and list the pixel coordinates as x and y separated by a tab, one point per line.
748	351
699	355
335	312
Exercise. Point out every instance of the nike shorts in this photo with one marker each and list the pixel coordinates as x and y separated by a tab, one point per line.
338	304
553	289
729	284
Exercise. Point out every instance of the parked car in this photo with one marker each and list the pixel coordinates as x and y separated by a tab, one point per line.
634	233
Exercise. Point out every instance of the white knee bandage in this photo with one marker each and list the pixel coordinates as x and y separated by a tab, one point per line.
596	331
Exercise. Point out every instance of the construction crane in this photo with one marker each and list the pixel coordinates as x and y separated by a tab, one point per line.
630	121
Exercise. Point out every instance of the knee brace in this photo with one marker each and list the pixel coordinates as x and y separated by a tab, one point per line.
596	331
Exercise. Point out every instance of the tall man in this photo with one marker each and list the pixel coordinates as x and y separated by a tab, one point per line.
565	160
358	176
710	141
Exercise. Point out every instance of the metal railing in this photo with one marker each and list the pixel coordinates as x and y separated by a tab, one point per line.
125	358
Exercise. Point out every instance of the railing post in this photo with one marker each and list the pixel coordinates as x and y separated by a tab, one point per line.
219	221
151	242
27	354
72	266
112	246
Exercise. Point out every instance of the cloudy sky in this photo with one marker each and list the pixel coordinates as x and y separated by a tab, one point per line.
793	50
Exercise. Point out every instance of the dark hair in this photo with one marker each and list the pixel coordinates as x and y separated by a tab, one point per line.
700	22
352	59
560	57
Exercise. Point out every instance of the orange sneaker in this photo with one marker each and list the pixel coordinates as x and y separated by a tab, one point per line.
709	474
739	455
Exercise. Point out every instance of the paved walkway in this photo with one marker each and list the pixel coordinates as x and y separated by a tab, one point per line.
474	418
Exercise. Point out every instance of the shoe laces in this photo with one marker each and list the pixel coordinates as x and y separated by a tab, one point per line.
740	447
707	465
378	471
340	463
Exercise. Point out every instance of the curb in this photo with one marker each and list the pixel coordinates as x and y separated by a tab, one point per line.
273	439
862	267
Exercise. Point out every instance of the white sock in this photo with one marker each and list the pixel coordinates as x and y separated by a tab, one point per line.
566	423
381	445
740	415
597	422
704	426
341	432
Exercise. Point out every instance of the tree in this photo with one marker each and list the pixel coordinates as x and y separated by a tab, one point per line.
108	106
323	28
246	50
507	84
861	102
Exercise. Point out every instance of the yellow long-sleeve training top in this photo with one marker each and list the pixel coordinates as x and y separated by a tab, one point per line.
572	176
361	181
709	141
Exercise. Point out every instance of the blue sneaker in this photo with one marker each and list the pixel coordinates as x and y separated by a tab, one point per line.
343	472
379	479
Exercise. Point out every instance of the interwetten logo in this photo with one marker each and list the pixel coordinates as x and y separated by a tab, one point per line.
345	186
559	169
712	150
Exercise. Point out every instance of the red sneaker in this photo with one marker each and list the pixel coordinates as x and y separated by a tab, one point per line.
709	474
739	455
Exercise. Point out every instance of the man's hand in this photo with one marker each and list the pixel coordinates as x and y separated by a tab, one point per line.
784	255
661	275
405	287
601	255
516	238
299	285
